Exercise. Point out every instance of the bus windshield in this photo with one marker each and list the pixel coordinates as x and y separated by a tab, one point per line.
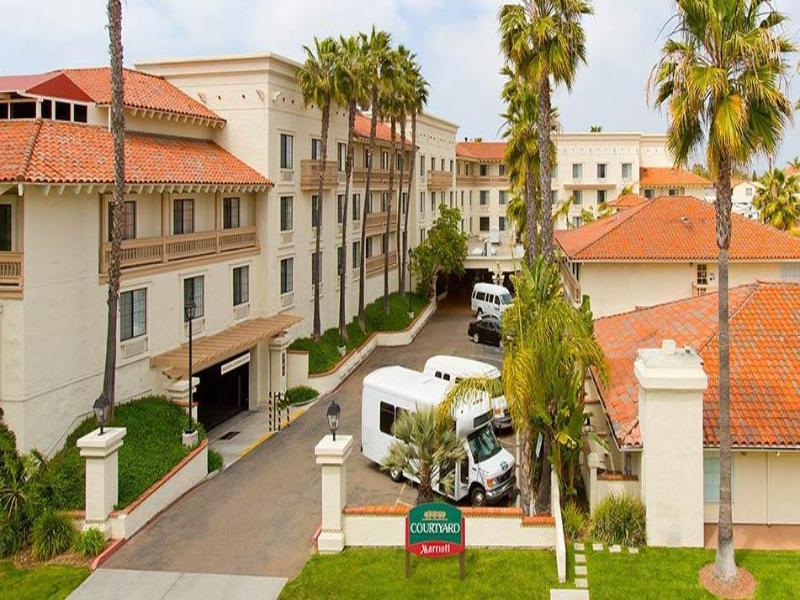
483	444
506	299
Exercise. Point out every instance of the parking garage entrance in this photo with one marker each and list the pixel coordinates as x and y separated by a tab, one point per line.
224	390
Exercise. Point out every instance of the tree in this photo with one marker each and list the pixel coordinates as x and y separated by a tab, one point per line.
544	41
114	11
722	75
596	129
317	81
603	210
403	68
390	100
777	199
795	162
442	252
376	52
425	441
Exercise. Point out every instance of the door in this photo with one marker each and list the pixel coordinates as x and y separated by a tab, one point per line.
220	395
461	485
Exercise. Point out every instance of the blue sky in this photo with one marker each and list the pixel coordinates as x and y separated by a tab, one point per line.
456	41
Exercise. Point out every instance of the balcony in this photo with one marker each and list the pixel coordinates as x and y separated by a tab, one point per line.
309	175
144	252
481	180
10	271
374	264
380	178
699	289
376	222
440	180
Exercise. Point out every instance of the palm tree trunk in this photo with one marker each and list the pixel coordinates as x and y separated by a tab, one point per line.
114	11
531	216
725	564
543	492
410	180
326	113
348	171
392	158
362	281
400	206
543	127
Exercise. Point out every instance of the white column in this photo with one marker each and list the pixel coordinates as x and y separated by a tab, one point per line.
102	481
278	365
331	455
671	386
593	462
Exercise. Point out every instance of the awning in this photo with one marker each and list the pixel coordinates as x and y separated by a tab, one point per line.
208	351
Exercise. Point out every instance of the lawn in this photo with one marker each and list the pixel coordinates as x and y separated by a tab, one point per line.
380	573
49	582
323	356
672	573
152	446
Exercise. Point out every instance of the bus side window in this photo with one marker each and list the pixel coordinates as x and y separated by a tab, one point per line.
446	376
387	418
438	374
464	475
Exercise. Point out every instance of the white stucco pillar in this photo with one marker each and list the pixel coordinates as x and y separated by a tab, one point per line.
671	386
331	455
593	463
278	365
102	475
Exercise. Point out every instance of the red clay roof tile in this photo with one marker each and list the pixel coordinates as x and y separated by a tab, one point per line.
665	177
481	150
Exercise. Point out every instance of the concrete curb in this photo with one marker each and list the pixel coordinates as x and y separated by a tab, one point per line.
107	553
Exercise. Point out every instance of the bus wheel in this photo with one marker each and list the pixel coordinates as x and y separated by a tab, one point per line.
477	496
396	475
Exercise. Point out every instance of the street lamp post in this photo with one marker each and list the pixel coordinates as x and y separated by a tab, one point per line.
100	405
334	410
190	312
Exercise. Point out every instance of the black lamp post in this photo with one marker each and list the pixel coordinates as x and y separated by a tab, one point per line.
334	410
190	312
100	405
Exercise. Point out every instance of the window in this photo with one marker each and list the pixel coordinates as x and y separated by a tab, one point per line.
422	202
577	197
601	170
484	199
230	213
576	222
384	160
367	161
369	202
702	274
316	263
80	113
340	260
421	234
46	109
484	223
748	191
627	170
503	197
422	166
404	203
433	163
368	248
673	192
314	210
183	217
287	213
193	292
501	225
433	202
287	151
384	201
128	220
442	165
63	111
451	198
577	170
483	170
316	149
554	174
356	254
649	194
451	166
501	170
480	296
5	228
356	207
287	275
341	156
241	285
132	314
340	208
387	418
711	478
601	196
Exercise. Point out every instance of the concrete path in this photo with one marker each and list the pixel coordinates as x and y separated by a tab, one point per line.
112	584
569	595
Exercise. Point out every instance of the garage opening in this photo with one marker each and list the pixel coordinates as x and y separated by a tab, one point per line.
224	391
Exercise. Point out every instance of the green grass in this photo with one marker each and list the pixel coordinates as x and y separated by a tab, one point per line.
380	573
673	573
39	583
323	356
300	394
152	446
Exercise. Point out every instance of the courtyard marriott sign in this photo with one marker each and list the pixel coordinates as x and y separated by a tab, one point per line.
434	530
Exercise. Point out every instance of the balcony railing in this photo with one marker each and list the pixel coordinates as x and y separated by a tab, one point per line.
572	286
380	178
172	248
376	222
309	175
10	271
481	180
699	289
374	264
440	180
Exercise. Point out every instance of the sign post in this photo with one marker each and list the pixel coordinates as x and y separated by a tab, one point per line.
435	530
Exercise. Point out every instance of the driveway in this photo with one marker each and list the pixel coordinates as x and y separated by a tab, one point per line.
258	517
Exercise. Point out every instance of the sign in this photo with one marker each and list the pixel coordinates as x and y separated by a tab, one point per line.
235	363
435	530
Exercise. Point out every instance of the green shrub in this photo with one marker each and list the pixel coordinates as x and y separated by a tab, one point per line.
214	461
574	520
89	543
15	533
619	520
52	534
301	393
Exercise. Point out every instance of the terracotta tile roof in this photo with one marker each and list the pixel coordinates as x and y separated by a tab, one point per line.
627	201
383	131
792	170
60	152
765	361
672	228
481	150
650	177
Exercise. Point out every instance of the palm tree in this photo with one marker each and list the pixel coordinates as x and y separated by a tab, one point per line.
114	11
424	442
350	85
403	90
317	81
390	102
544	41
596	129
795	162
778	199
375	49
722	77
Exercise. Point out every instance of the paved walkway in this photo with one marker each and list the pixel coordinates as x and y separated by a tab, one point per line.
112	584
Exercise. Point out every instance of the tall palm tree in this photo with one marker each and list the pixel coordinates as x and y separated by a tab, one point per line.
403	67
778	199
795	162
376	48
390	102
114	11
350	84
722	75
544	42
317	81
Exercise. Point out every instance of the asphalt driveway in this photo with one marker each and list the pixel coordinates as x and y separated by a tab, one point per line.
258	517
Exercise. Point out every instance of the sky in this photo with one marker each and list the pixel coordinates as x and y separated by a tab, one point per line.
456	42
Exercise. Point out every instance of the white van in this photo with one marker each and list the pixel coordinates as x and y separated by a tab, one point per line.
490	299
455	368
487	472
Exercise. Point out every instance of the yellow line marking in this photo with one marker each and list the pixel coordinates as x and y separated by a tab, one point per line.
257	443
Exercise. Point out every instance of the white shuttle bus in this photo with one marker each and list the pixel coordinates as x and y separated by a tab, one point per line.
490	299
487	472
455	368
